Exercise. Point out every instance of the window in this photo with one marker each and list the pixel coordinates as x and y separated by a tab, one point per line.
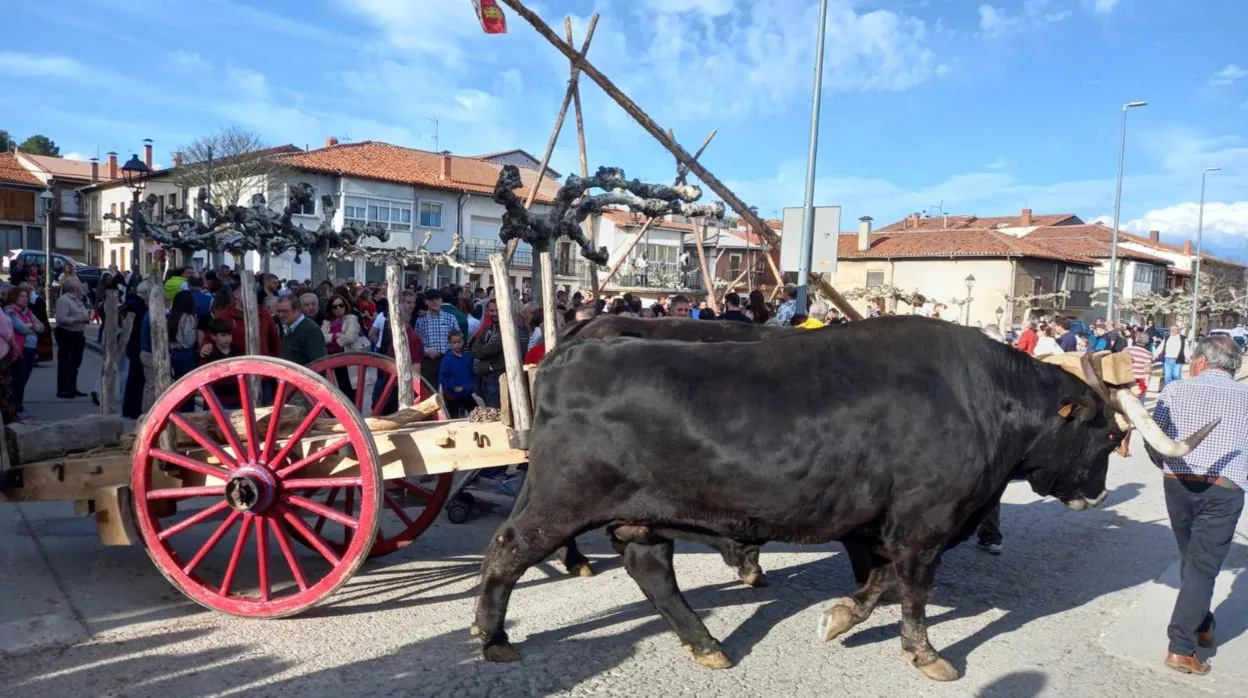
734	265
1078	279
374	273
34	238
353	211
308	208
393	215
875	278
123	209
430	215
400	217
112	208
173	201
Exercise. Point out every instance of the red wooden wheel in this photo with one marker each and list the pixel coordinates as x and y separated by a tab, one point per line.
410	505
251	492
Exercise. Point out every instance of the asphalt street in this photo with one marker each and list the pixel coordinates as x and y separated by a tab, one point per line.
1076	606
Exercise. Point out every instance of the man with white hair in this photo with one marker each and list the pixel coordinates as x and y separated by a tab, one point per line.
71	323
1205	488
814	320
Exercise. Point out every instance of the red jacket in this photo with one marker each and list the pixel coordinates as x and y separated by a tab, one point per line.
270	340
534	355
1027	342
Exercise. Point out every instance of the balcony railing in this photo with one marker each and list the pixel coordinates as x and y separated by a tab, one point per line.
473	253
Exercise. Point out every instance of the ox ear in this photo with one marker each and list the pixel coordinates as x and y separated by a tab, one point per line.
1082	409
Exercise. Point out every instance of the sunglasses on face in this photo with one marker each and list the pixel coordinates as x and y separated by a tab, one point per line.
339	306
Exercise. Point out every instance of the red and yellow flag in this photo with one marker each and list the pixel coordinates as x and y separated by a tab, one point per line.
491	16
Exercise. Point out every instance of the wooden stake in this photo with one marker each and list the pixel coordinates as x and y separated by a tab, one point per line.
108	373
631	108
163	372
398	332
775	271
518	389
554	132
251	327
586	225
548	302
707	280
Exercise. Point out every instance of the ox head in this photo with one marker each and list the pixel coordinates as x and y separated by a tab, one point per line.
1072	461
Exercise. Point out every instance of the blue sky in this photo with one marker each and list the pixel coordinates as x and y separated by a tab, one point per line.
986	106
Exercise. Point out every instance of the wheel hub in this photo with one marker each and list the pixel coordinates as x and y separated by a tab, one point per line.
250	490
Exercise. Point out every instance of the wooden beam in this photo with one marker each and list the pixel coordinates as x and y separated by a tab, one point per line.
554	132
108	372
548	302
398	332
521	408
707	280
586	225
630	107
251	327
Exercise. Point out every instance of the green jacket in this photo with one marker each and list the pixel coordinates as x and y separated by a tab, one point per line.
304	344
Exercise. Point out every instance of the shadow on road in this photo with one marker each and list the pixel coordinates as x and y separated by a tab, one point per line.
1021	684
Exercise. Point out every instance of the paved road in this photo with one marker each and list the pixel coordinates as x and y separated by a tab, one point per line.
1075	607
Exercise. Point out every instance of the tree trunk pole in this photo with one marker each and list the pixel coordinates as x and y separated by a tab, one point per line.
707	281
398	332
108	374
715	185
554	132
775	271
163	373
251	327
548	301
517	384
586	225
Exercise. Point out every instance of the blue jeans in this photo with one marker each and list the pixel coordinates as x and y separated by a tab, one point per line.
1172	371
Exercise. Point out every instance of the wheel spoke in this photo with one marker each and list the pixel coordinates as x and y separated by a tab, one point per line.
223	422
314	483
249	416
350	507
322	510
302	429
413	488
211	542
275	421
329	502
292	562
191	464
235	556
319	455
262	554
359	390
191	520
312	538
187	492
391	382
202	439
398	510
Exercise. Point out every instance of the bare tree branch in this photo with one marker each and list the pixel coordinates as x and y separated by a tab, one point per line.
239	161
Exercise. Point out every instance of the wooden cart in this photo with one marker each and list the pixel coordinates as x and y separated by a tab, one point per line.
298	500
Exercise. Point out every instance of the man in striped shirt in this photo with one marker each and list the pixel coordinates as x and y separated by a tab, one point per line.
1141	362
1205	488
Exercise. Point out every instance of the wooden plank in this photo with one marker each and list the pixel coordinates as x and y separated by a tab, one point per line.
251	327
504	394
708	282
31	442
511	349
112	358
586	225
548	301
69	479
398	320
163	372
429	449
114	521
1115	368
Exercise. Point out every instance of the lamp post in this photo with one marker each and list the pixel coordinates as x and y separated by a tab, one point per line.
134	173
49	212
808	206
1113	248
1200	228
970	284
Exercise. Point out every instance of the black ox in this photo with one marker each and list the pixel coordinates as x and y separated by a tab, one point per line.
893	436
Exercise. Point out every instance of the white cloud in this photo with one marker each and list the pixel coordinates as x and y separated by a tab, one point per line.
710	8
996	23
998	164
1228	75
1223	221
1101	7
33	65
74	156
248	81
191	60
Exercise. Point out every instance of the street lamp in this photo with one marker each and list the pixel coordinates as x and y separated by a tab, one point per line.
49	209
1113	248
808	205
1000	314
970	283
1200	227
134	173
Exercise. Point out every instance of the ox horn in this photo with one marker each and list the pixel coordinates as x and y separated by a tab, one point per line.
1130	410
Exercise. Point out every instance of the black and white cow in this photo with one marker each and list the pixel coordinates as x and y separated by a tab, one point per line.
893	436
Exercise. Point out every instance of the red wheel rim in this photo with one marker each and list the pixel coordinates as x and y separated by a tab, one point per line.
252	497
409	506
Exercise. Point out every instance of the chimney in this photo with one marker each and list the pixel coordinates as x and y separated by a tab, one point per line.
1154	235
446	165
1025	219
95	169
1187	247
112	165
331	141
864	233
147	152
177	158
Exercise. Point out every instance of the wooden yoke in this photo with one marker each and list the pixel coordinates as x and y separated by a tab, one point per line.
1115	369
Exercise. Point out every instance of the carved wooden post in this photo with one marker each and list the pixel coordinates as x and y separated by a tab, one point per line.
548	302
586	225
108	373
251	327
518	388
161	369
398	333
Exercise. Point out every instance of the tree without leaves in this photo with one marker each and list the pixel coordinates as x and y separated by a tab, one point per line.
238	159
40	144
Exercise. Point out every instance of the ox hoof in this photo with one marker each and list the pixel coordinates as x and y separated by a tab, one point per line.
836	621
754	578
937	669
474	631
715	659
580	570
500	653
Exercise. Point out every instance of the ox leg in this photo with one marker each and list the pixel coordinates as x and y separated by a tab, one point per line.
570	556
650	565
916	585
741	556
519	544
852	610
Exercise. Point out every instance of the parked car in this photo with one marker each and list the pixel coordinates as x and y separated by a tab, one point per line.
89	275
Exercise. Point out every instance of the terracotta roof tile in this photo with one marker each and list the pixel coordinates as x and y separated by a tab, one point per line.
1175	249
421	168
12	172
64	167
950	243
1088	240
972	221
